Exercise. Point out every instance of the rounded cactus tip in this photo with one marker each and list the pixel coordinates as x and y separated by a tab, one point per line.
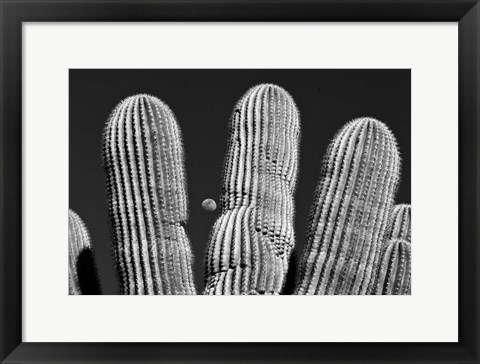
270	87
141	96
370	121
73	215
374	124
273	91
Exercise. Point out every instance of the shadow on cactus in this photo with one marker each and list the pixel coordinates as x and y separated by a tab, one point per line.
357	242
87	273
82	270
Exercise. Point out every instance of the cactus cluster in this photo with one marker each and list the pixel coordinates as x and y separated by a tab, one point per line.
394	271
252	240
147	199
358	243
351	210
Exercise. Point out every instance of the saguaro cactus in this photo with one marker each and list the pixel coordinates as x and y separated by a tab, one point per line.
251	241
146	183
82	274
349	217
394	270
400	223
394	273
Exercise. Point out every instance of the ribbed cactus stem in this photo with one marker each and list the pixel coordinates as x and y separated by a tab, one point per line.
394	274
147	197
78	242
349	217
251	241
394	269
400	223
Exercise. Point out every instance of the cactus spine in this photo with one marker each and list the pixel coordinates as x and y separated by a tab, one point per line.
394	271
78	243
146	185
349	217
251	241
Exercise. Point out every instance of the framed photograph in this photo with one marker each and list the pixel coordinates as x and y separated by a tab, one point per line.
159	156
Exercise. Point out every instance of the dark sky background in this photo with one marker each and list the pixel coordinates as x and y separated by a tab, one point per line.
203	101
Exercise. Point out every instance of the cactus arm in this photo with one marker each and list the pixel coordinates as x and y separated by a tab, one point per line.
251	241
82	272
78	239
146	189
400	223
353	200
393	274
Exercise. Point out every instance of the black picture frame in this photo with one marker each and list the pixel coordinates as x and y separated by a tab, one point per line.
14	12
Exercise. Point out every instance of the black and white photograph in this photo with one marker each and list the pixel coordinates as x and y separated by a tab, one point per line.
168	151
239	182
